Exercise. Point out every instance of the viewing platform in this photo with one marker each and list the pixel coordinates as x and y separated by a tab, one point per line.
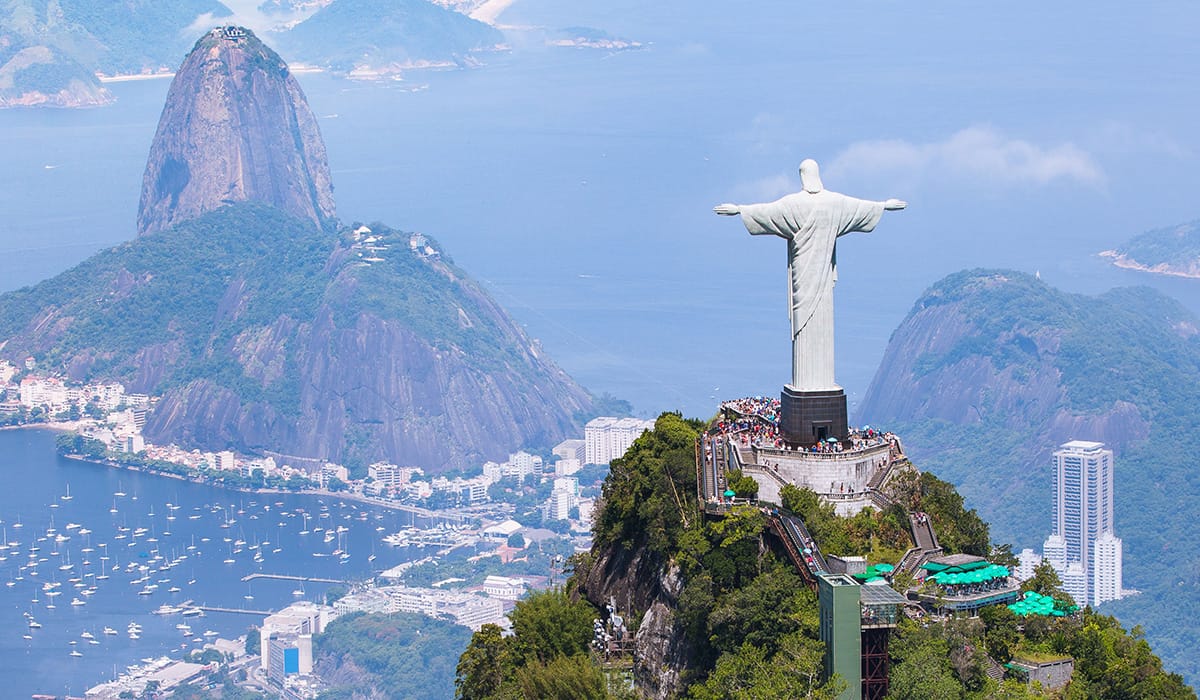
849	473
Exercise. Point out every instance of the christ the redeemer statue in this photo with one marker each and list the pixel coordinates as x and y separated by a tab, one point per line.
811	221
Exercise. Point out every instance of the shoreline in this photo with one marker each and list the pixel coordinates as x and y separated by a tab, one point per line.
54	427
130	77
1126	263
345	496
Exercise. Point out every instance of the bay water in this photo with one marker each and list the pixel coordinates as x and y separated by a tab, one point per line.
124	532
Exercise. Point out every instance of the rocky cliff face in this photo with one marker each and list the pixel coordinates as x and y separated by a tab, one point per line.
236	128
638	580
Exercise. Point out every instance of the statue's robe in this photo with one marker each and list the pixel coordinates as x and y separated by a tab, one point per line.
811	223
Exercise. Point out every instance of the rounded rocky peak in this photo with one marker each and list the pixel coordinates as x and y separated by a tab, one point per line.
236	127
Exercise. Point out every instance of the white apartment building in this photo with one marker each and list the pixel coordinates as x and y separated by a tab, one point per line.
1106	568
493	472
1083	514
303	618
329	470
607	438
390	475
1028	560
571	449
522	464
563	498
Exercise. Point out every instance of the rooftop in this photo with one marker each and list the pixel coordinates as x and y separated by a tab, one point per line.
961	562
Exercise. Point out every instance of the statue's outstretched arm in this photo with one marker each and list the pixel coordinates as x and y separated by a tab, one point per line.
894	204
727	209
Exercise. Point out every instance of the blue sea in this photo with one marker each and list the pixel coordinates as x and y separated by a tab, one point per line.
99	536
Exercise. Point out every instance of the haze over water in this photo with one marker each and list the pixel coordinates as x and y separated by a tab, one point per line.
578	184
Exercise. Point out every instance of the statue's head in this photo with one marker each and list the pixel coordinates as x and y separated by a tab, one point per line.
810	176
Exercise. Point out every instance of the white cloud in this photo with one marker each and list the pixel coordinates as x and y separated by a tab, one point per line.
978	153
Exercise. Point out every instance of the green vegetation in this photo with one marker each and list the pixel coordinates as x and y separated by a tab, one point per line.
230	300
1128	345
546	657
1178	247
378	32
53	75
749	622
126	37
649	493
951	660
400	656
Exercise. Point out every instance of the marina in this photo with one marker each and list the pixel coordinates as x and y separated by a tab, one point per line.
100	580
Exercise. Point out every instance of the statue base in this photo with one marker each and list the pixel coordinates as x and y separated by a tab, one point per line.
808	417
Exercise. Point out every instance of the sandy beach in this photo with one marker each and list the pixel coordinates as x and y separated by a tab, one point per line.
131	78
490	10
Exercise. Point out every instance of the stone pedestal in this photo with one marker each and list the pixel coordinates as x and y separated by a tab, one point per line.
806	417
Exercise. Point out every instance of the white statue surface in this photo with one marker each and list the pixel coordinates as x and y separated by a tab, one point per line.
811	222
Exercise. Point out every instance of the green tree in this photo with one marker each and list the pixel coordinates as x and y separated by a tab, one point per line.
486	665
562	678
744	486
751	673
1045	581
253	642
548	624
1001	631
921	669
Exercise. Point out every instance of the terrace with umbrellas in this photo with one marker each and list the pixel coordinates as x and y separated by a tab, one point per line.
963	582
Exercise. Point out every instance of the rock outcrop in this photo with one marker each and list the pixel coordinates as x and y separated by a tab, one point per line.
235	128
638	580
1000	348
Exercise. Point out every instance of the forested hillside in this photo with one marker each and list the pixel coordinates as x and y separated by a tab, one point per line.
992	370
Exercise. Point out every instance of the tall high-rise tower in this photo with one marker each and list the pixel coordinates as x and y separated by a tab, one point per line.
1083	515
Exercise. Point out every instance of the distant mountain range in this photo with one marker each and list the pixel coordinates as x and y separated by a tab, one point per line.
993	369
265	324
51	53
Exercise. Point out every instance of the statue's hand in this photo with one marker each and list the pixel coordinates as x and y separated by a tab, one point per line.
727	209
894	204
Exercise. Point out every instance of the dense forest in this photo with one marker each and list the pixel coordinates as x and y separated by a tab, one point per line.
401	656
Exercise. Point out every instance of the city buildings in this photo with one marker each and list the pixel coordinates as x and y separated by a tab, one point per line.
286	638
563	498
1083	548
607	438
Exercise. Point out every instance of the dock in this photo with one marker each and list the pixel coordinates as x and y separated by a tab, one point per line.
242	611
285	577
